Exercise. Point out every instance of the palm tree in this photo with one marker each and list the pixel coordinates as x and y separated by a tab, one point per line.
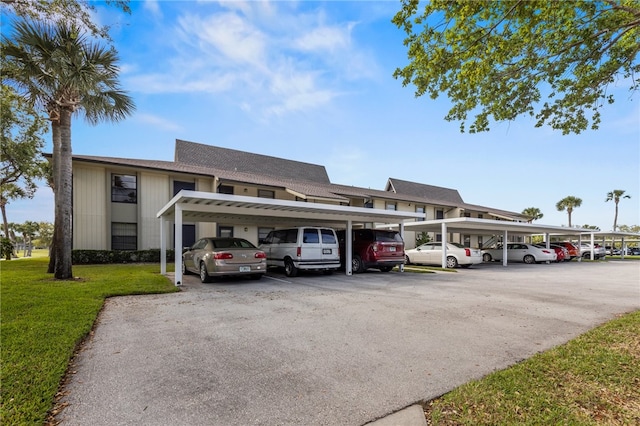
616	195
61	71
568	203
533	213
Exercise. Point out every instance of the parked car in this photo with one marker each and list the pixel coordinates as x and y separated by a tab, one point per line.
520	252
373	248
561	252
302	248
574	250
633	251
598	251
431	254
218	256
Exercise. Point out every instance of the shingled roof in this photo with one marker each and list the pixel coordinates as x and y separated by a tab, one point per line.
240	161
429	192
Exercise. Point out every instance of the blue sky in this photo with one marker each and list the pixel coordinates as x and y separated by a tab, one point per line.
312	81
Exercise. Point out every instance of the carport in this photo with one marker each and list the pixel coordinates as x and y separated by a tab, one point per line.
473	226
604	235
196	206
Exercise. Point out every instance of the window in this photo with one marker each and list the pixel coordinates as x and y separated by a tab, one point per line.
479	215
179	186
480	241
124	236
466	214
466	240
438	237
225	231
262	234
124	189
439	214
391	205
310	236
420	209
368	204
225	189
328	237
265	193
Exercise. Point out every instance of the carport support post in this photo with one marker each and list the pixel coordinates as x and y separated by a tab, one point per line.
504	248
178	244
401	228
163	247
443	230
348	240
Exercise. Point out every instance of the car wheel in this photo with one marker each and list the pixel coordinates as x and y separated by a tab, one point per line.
185	271
290	269
452	262
586	256
529	259
486	257
356	264
407	260
204	274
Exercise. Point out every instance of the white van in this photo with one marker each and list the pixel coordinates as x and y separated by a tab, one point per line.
303	248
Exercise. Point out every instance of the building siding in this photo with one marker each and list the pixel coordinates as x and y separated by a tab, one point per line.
90	218
154	192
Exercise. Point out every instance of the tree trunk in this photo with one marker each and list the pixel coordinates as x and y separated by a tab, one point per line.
52	258
615	218
63	198
5	225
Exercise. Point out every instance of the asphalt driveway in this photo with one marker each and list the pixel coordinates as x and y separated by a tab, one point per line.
329	350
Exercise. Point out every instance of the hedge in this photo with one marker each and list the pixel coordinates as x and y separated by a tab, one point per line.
90	257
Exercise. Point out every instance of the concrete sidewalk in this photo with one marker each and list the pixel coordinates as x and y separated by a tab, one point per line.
330	350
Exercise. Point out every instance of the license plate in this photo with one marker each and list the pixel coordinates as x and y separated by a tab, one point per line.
392	248
326	251
245	269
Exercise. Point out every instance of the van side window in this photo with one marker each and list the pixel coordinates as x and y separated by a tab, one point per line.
268	238
291	236
310	236
327	236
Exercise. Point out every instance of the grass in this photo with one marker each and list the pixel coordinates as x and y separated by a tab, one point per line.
44	320
591	380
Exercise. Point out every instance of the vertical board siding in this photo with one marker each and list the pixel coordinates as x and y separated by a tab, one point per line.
89	208
153	193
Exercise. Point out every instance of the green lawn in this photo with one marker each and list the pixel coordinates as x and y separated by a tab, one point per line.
592	380
43	320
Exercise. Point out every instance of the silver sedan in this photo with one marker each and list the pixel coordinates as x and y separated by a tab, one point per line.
218	256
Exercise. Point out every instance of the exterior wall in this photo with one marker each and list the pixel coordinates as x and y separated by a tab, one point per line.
153	193
90	215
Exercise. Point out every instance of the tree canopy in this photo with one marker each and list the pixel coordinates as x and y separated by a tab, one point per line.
74	12
552	60
21	141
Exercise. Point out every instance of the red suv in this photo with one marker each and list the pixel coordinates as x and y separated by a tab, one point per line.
373	248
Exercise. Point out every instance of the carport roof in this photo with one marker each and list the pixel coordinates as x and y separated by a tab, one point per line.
199	206
469	225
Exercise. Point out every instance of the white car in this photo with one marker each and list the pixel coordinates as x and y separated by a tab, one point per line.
431	254
520	252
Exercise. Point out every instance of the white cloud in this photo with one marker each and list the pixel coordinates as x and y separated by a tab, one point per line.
152	7
158	122
273	57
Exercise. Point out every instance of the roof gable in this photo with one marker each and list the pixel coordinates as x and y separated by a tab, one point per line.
246	162
421	190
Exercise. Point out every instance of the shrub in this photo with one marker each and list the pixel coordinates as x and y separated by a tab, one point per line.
93	257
